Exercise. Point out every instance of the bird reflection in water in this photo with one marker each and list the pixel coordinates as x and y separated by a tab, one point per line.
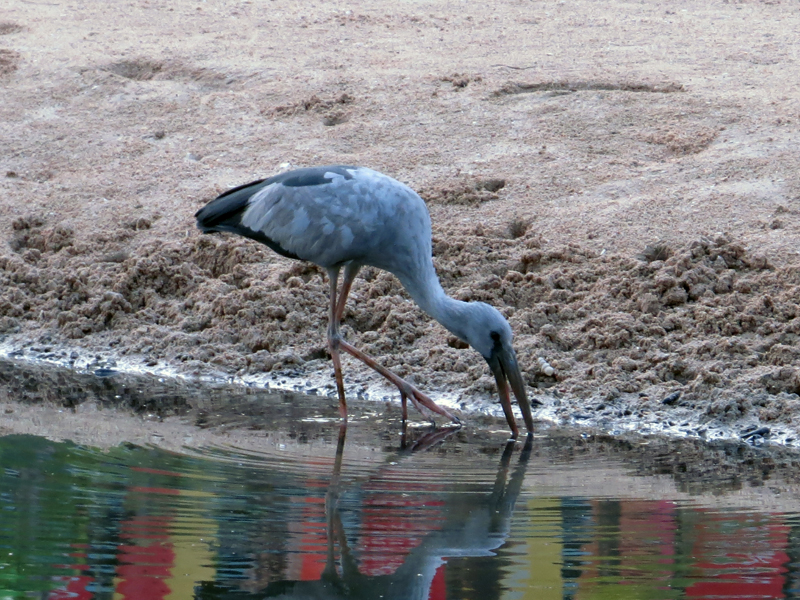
475	532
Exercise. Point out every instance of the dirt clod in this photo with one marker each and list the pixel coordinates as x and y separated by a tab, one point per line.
9	61
9	27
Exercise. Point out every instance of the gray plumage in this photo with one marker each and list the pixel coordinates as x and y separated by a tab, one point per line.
328	216
342	216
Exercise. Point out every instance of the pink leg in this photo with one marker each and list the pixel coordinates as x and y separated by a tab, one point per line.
334	338
420	401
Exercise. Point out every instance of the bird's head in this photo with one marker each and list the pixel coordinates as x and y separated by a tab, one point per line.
489	333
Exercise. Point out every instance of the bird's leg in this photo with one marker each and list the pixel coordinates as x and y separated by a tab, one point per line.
350	272
417	405
334	341
334	334
404	395
404	404
420	400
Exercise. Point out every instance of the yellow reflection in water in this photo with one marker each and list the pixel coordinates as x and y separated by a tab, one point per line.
535	573
175	555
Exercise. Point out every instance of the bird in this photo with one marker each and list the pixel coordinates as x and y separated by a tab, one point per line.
343	218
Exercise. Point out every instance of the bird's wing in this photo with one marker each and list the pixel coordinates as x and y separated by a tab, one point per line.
326	215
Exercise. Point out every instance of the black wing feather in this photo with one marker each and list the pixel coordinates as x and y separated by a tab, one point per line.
224	212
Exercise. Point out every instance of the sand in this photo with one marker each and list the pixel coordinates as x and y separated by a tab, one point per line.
620	179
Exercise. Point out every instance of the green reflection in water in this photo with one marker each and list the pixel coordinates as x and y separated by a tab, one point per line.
443	523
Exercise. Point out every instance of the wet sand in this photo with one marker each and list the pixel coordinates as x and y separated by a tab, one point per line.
182	416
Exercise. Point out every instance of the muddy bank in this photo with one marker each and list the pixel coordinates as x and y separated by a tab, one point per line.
701	338
620	181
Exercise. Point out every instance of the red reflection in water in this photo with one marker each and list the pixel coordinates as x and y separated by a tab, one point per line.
74	586
307	544
145	566
394	524
739	556
155	490
438	585
313	539
396	516
74	590
157	471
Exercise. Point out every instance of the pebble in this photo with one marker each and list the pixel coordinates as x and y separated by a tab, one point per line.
762	431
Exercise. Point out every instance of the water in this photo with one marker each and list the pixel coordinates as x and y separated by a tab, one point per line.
251	495
335	516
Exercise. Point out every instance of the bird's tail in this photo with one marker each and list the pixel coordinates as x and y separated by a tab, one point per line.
224	213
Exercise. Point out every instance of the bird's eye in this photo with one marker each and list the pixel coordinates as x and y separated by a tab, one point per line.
495	336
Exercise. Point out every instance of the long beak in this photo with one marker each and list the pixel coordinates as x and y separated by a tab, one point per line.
503	363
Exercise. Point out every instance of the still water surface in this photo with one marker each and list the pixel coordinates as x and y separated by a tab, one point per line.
440	520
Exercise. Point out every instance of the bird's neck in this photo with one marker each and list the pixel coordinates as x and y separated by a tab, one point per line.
424	287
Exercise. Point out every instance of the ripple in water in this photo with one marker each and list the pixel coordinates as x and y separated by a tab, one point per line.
328	519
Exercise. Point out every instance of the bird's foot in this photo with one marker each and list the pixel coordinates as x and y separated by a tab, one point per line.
423	403
406	393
